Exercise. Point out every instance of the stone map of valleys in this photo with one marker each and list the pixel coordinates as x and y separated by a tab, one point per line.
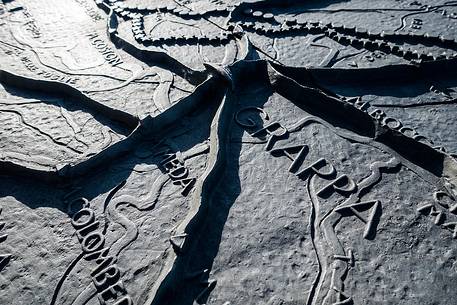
267	152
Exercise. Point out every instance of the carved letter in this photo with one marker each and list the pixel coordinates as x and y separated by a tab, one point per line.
81	233
277	132
392	123
301	150
4	259
93	242
342	185
187	184
406	130
107	276
452	226
78	219
97	255
250	122
112	292
356	209
377	114
171	164
124	301
179	173
317	168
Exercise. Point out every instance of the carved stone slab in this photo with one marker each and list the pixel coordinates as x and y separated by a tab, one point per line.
228	152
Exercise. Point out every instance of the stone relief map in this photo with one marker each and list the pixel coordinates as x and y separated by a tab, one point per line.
270	152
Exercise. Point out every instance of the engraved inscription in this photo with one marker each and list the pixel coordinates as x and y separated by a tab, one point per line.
326	170
106	276
107	52
173	165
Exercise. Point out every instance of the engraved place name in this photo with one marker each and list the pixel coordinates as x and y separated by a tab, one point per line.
173	165
340	184
441	212
106	276
90	11
30	24
392	123
106	51
48	75
4	257
272	132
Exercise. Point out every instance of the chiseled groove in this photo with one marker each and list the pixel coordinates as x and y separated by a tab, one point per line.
39	131
177	266
388	74
160	58
148	56
413	154
66	90
64	277
312	229
149	127
420	104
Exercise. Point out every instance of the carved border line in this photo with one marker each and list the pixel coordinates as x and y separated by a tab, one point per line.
150	57
150	128
66	90
421	158
177	267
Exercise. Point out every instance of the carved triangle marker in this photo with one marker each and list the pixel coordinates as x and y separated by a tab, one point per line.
355	208
177	242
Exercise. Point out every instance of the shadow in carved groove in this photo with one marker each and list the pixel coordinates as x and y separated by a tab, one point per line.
189	279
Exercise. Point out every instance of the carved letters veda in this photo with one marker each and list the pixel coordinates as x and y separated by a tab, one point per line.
336	184
173	165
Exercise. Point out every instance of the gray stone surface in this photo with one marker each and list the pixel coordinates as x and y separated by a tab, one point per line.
228	152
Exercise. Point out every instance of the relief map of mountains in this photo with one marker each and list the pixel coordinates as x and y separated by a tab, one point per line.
259	152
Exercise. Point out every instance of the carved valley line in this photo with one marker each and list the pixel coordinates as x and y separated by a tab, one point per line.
341	184
48	75
106	276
